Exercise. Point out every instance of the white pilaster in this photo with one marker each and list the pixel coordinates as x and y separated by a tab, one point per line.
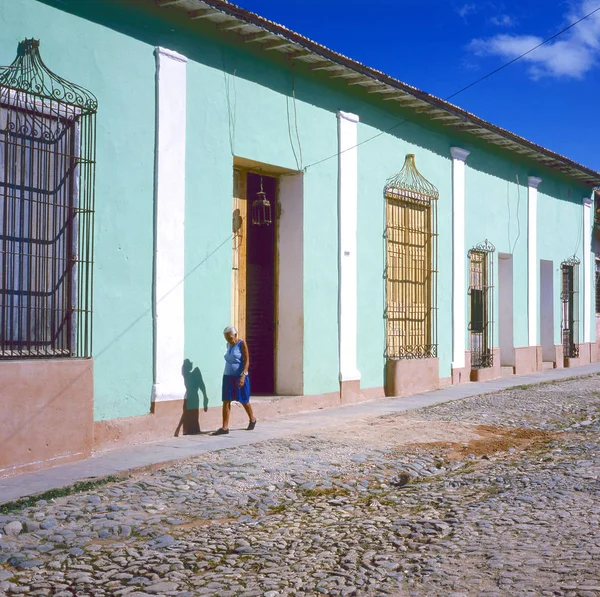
347	209
459	290
532	266
588	321
289	370
169	206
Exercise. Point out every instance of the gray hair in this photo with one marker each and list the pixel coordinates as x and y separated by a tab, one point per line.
230	330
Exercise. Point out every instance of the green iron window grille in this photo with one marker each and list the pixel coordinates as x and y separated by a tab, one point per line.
570	307
47	180
481	305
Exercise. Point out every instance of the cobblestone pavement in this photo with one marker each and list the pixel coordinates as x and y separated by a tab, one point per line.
510	508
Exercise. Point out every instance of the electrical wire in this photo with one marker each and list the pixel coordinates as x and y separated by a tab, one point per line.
518	219
579	230
524	54
229	82
497	70
296	117
289	124
231	113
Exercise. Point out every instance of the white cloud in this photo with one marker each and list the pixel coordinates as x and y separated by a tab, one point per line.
503	21
469	9
466	9
571	55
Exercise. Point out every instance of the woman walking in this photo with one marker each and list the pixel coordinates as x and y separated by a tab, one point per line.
236	383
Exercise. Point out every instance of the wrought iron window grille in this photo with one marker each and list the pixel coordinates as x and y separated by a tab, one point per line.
481	305
597	287
47	181
569	297
411	265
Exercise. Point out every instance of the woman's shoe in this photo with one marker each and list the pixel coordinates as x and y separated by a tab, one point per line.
221	431
251	425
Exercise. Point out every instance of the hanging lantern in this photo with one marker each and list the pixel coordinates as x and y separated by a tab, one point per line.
261	209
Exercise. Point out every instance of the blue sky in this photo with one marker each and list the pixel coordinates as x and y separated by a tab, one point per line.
440	46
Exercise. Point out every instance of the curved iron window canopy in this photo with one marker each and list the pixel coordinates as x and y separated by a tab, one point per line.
481	304
409	183
484	247
47	185
573	260
29	74
411	264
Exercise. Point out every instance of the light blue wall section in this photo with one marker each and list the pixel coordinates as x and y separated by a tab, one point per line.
209	179
496	210
239	103
119	70
249	112
379	160
560	236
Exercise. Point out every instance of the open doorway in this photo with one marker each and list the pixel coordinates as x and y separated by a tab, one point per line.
506	339
253	275
547	311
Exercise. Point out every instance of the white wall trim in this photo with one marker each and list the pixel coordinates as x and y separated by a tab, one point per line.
458	153
169	206
532	266
348	221
348	116
588	320
459	290
289	350
171	54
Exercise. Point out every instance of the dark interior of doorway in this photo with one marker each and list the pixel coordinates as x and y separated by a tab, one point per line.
260	289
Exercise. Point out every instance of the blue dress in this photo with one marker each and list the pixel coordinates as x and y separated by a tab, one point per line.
234	367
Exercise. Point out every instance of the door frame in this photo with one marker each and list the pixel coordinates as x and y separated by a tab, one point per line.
239	232
241	218
288	211
547	339
506	332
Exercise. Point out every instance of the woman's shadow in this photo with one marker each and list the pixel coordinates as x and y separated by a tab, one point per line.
194	384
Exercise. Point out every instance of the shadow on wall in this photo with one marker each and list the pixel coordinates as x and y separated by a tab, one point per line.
194	384
152	24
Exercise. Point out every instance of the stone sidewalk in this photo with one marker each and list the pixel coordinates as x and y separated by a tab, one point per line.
122	461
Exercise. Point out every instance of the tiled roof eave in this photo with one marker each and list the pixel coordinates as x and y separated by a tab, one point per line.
272	37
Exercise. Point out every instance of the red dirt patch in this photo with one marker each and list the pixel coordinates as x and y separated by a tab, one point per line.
492	440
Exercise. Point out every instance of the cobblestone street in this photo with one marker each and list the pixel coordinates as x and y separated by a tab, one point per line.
490	495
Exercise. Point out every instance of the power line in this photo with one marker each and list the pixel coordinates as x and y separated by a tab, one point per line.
497	70
523	55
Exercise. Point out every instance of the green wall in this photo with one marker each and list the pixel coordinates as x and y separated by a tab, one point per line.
379	160
120	71
560	219
240	103
254	124
496	210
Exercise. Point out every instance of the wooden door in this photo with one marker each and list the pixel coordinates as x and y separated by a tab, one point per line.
239	250
253	279
260	295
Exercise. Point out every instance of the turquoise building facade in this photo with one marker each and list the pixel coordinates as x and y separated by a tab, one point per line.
198	102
